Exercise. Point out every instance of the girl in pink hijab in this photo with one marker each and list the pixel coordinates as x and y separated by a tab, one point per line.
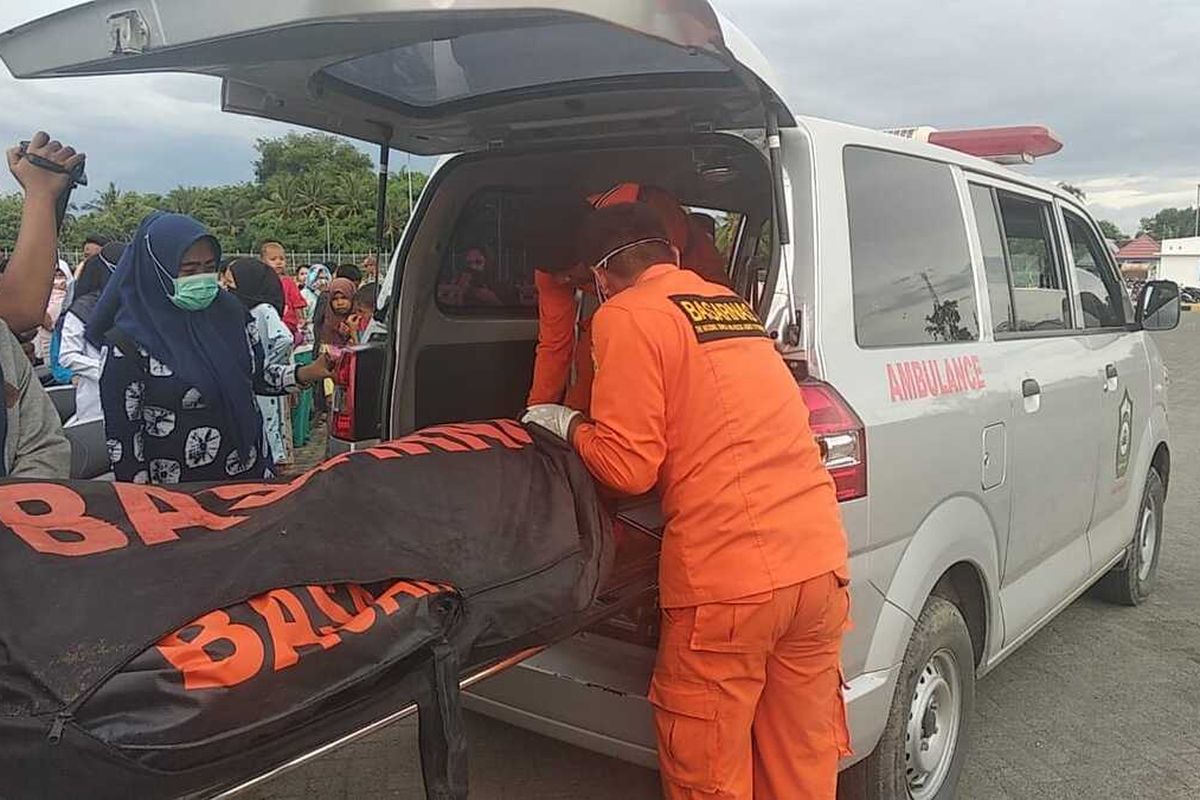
63	279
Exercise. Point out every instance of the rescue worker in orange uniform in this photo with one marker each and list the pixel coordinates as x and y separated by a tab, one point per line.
691	396
562	371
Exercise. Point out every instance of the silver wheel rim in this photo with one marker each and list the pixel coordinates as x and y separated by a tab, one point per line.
1147	541
934	718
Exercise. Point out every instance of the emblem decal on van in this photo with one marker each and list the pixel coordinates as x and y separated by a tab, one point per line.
916	380
1124	435
721	317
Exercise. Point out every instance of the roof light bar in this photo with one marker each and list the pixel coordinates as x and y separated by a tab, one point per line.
1015	144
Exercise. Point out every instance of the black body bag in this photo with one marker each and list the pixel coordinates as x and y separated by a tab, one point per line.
163	643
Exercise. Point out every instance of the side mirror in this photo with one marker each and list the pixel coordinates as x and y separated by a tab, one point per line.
1159	306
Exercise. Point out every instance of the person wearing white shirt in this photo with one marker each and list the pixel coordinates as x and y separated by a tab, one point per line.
76	353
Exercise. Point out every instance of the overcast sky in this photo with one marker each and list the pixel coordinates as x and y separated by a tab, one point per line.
1116	79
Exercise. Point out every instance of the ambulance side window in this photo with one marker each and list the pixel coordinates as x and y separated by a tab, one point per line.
910	264
1040	300
1096	282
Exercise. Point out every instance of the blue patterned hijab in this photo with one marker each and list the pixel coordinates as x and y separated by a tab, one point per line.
207	349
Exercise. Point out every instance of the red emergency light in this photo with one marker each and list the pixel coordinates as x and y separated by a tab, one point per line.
1014	144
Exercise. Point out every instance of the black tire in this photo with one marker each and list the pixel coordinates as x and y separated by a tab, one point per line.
884	775
1130	582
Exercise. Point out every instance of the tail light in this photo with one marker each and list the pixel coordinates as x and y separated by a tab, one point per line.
357	398
345	393
841	436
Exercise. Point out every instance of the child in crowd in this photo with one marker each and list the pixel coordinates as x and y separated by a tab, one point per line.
336	332
337	328
364	311
63	279
274	256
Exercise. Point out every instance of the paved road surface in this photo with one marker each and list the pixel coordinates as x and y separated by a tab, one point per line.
1102	703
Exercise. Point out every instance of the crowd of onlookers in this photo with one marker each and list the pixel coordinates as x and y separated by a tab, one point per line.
197	367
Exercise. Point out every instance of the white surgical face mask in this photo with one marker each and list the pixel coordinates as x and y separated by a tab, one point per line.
602	264
603	295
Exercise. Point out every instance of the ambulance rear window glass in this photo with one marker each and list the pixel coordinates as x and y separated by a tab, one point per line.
910	264
473	64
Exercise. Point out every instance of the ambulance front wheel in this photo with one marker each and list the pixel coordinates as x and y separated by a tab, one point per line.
1130	582
924	745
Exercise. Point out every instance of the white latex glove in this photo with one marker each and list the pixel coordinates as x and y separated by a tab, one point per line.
553	417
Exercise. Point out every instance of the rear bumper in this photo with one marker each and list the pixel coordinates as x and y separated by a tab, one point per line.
590	691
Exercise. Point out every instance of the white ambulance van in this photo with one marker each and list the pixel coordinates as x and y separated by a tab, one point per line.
991	406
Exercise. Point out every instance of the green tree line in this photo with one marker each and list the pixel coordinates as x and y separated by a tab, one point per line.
310	191
1167	223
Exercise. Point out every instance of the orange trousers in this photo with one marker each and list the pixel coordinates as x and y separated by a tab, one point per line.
747	695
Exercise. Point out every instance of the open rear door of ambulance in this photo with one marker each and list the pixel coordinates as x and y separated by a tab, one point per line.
427	76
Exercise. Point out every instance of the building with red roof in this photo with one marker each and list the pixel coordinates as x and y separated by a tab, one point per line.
1139	257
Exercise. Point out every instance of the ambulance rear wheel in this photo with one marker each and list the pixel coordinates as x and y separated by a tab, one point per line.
924	745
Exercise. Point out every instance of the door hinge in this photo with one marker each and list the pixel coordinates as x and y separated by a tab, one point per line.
128	33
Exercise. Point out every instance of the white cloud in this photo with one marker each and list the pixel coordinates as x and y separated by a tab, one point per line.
1127	199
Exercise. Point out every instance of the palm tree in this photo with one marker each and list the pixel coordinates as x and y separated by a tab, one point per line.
283	199
106	201
355	195
229	217
191	200
315	199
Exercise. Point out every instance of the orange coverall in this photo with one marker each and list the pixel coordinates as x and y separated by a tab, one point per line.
690	395
562	369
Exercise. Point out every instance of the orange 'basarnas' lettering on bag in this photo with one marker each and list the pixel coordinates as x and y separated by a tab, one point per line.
288	628
202	671
53	520
155	526
77	533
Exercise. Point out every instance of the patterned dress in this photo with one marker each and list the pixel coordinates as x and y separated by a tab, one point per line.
277	349
162	431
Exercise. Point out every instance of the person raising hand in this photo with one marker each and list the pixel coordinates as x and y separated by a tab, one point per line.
43	172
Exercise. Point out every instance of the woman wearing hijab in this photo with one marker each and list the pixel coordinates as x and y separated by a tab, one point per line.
63	279
184	364
315	284
261	291
76	354
336	328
